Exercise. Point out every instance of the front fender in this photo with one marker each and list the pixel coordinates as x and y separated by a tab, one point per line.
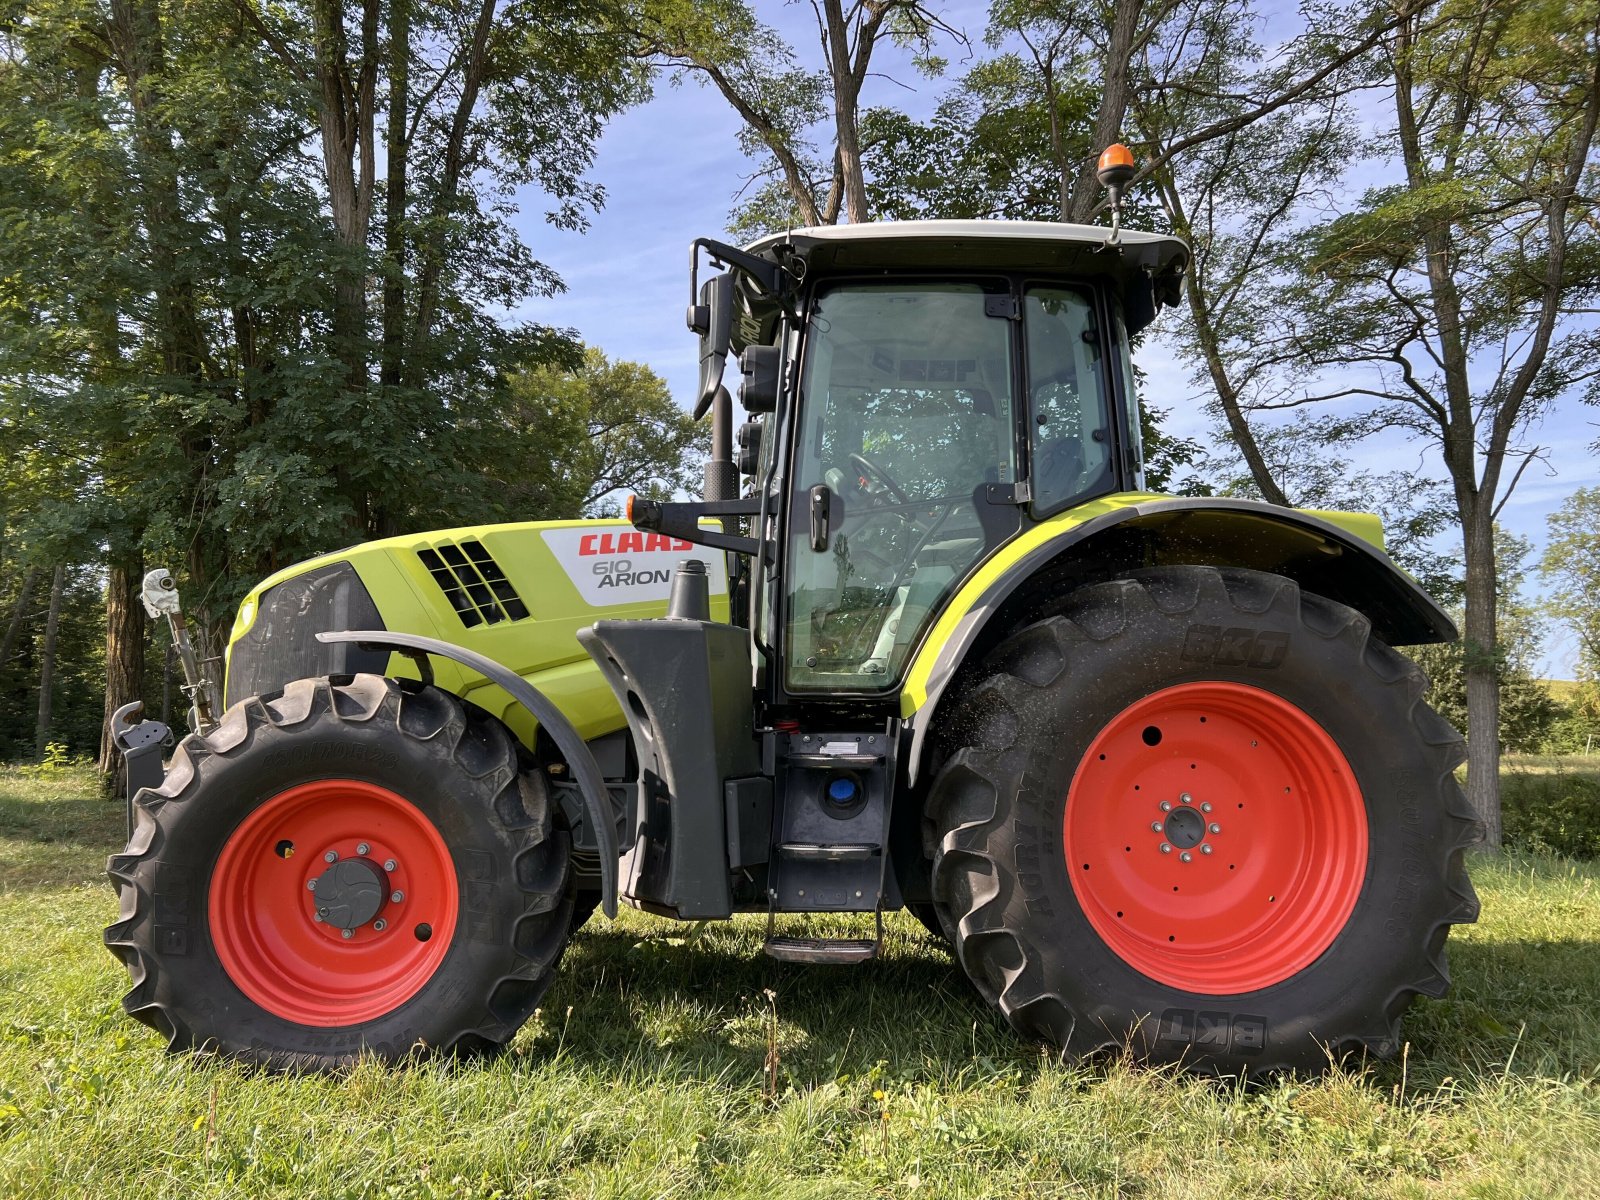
585	771
1141	531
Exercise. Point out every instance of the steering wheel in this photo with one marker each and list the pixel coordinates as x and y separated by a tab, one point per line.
867	469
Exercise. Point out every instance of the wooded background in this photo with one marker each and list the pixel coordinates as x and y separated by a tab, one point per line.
256	261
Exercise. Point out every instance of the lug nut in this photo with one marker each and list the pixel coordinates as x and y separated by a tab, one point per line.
380	925
1185	857
389	864
1214	827
1205	849
1166	806
1156	827
331	856
396	897
363	848
1206	807
317	917
347	934
1186	798
1166	848
311	885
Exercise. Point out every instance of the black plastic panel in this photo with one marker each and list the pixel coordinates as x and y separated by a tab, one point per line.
281	646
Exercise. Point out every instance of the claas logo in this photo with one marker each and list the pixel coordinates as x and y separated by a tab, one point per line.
628	543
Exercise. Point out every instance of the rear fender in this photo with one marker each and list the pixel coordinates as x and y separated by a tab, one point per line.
1104	538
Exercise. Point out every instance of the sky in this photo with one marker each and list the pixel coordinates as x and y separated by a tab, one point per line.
672	169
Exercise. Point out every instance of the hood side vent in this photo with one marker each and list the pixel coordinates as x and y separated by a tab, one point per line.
473	583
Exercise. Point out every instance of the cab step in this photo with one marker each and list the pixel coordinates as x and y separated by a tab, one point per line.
828	851
822	950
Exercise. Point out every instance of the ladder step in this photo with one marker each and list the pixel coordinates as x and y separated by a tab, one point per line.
830	761
828	852
822	950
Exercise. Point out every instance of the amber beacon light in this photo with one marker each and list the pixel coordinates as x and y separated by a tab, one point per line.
1115	171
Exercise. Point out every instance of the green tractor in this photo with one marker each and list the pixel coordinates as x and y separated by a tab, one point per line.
1149	765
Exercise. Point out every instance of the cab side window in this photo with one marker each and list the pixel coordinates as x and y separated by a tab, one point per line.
1069	420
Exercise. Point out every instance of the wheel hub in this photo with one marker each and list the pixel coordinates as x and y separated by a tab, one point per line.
350	893
1184	828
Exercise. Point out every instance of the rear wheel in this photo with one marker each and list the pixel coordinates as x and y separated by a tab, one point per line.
1205	816
352	866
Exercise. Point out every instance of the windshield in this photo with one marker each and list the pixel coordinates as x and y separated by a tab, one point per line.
906	411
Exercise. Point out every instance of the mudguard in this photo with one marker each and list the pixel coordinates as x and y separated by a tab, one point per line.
1323	555
585	771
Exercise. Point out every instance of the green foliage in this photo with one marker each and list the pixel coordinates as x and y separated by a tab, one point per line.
1555	812
1528	712
1576	729
1571	566
595	432
985	152
219	353
80	664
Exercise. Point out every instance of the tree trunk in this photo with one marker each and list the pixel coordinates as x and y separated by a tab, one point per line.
346	118
396	149
14	626
1211	349
1114	97
47	666
846	78
1480	662
125	633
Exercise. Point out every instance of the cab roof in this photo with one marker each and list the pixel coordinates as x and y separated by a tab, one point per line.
1149	259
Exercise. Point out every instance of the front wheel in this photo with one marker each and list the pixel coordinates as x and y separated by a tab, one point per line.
352	866
1206	817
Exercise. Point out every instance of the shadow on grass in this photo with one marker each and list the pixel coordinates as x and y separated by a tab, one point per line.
652	1007
701	1010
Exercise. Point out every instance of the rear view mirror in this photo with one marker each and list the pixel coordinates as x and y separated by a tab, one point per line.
712	319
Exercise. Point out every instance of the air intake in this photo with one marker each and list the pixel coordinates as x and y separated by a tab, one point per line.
473	583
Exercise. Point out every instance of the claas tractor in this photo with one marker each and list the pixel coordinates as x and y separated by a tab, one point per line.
1149	766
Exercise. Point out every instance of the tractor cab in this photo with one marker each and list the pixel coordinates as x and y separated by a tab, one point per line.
919	396
919	393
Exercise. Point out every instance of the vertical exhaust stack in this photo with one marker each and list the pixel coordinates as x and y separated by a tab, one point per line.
722	474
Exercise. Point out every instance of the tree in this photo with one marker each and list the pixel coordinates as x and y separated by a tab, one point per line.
1446	302
782	102
594	432
1571	566
194	232
1527	710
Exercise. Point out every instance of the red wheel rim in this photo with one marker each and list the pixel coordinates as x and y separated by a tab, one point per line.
1264	860
264	913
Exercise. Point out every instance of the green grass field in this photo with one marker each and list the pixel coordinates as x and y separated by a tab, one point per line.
646	1074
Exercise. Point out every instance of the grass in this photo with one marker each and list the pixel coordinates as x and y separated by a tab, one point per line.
1548	764
645	1075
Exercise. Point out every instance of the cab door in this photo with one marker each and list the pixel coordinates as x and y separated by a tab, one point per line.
906	414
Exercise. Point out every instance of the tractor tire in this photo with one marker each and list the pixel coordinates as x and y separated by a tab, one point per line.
1204	818
350	867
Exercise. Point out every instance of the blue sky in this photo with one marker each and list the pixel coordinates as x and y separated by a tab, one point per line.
672	167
